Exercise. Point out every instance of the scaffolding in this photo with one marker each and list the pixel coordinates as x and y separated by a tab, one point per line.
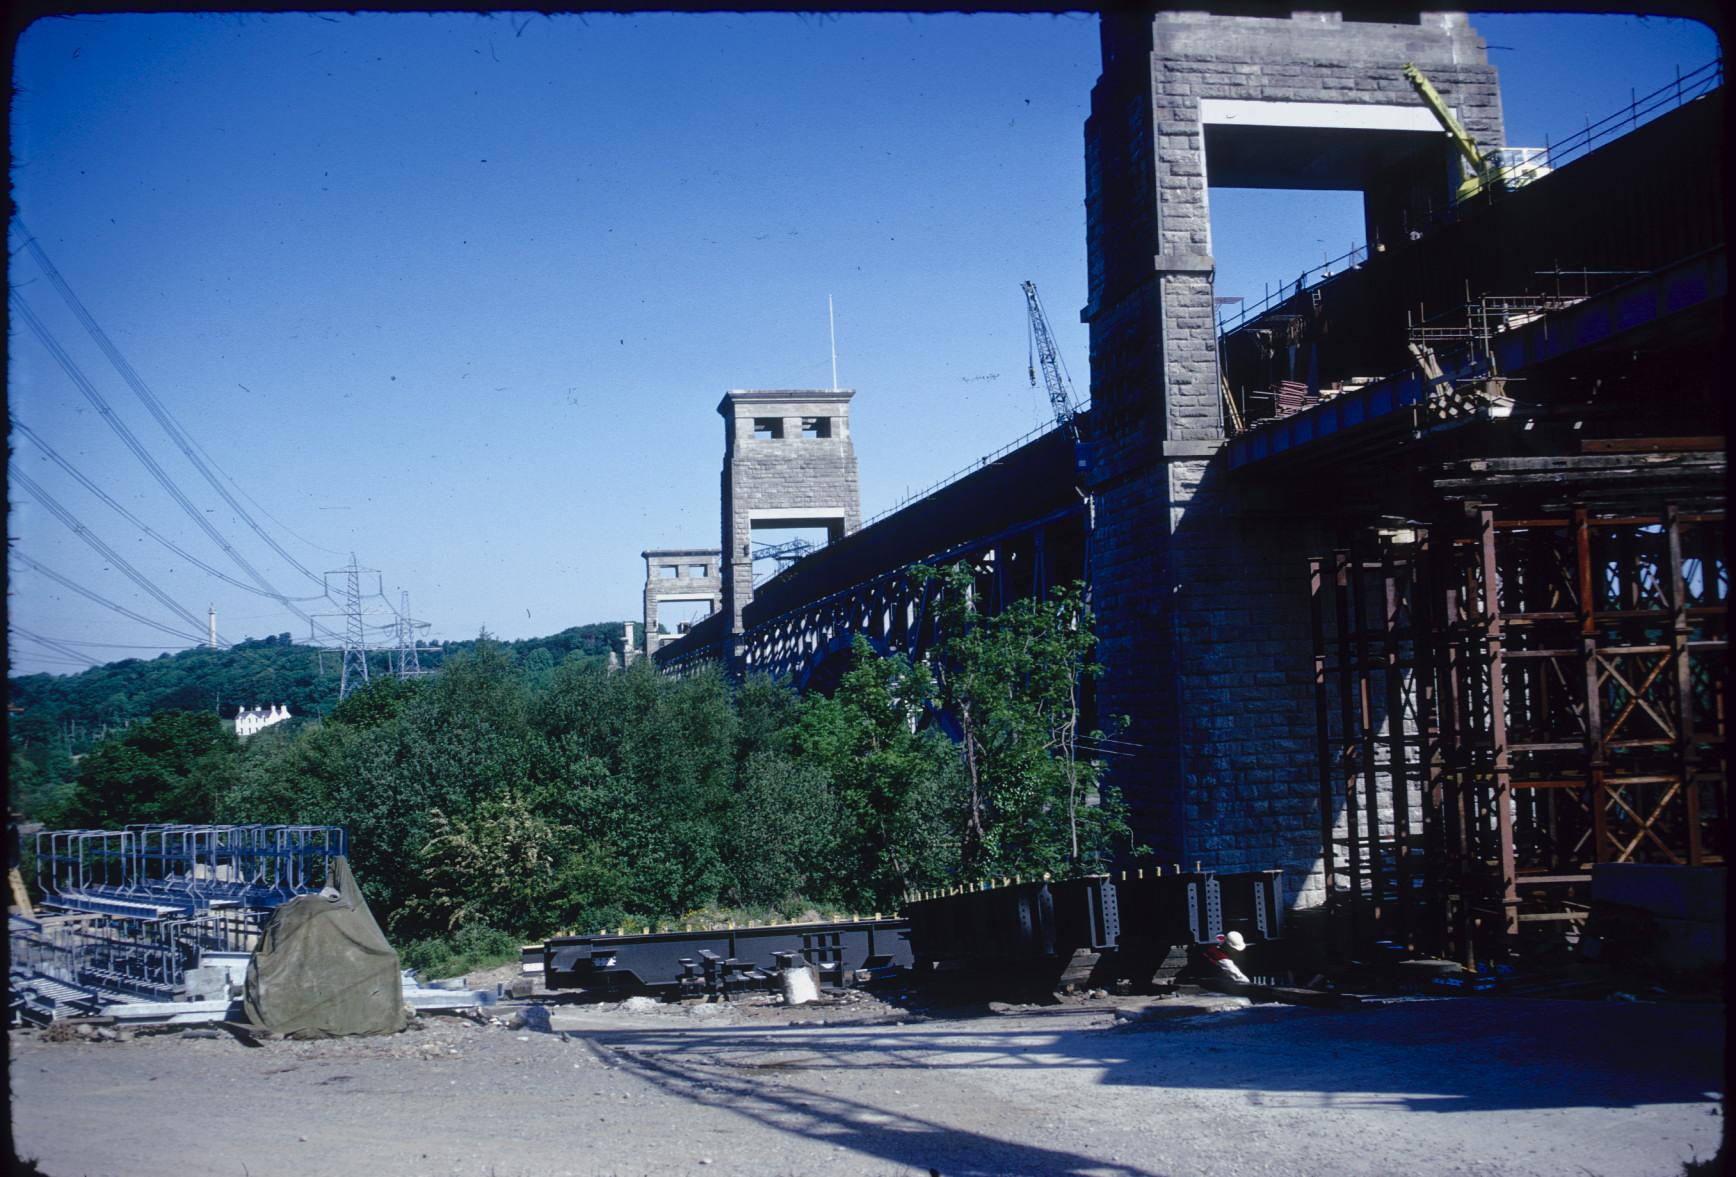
1502	705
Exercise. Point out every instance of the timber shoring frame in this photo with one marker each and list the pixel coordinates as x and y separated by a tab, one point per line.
1504	701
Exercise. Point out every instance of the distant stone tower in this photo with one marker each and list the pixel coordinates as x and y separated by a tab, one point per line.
787	463
678	574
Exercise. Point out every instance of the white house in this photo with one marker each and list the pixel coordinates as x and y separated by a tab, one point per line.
254	719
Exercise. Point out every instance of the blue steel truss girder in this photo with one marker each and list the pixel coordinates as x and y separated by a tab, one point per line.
889	609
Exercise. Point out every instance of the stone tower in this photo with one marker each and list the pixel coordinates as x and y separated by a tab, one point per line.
1201	610
787	463
679	575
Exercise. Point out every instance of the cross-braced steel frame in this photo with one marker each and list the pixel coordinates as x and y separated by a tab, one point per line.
1502	704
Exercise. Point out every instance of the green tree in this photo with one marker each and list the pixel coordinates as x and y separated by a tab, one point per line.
172	767
783	838
1011	682
379	702
41	778
505	866
645	765
895	782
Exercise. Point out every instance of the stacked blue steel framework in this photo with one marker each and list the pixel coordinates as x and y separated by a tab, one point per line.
132	910
155	871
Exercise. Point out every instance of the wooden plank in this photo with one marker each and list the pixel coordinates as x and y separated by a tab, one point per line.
20	897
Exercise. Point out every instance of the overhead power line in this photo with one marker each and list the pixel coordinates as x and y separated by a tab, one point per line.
79	529
77	376
124	645
86	659
19	427
102	600
157	409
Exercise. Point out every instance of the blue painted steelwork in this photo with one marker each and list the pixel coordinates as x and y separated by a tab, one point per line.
152	870
1597	321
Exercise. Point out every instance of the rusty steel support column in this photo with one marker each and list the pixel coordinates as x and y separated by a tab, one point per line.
1457	756
1342	572
1500	764
1585	589
1686	756
1426	630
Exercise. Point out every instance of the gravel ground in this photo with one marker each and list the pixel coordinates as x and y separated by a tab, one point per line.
1202	1085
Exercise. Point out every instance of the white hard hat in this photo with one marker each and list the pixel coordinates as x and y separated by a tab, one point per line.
1235	941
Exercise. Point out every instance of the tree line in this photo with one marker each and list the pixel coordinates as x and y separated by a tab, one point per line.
507	798
58	718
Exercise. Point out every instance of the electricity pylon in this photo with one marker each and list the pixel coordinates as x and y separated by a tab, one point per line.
354	675
408	664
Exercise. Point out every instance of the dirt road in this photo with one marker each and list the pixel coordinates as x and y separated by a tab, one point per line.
1204	1086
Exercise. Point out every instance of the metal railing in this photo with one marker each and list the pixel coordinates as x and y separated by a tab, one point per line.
955	476
1696	83
1308	279
1519	166
154	870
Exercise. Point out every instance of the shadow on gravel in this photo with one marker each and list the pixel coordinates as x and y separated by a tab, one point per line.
1431	1056
861	1129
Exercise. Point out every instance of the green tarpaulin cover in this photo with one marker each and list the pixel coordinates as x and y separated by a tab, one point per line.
323	968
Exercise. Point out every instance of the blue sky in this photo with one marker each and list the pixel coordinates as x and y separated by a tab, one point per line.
461	293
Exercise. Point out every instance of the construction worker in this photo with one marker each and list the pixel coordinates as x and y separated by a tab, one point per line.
1218	955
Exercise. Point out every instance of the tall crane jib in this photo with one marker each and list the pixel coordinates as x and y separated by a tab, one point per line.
1054	379
1502	168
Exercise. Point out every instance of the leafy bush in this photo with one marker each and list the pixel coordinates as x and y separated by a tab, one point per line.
474	947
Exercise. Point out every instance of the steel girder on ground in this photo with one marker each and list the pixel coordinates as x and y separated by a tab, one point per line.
1098	928
720	962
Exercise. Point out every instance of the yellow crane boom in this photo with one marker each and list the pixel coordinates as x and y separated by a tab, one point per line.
1480	169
